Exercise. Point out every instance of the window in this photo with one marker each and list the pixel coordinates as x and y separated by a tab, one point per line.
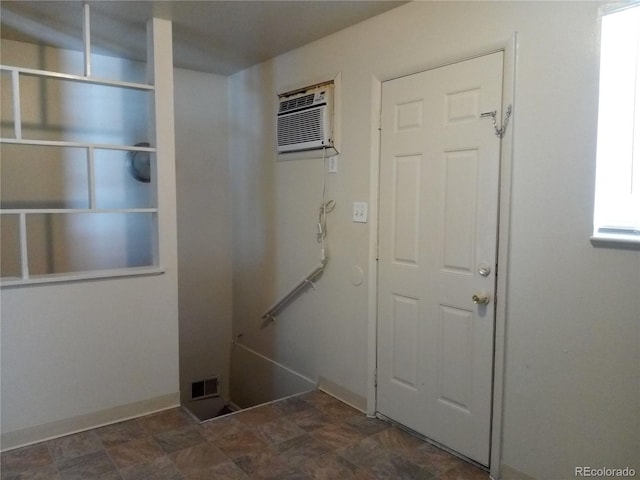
617	197
78	182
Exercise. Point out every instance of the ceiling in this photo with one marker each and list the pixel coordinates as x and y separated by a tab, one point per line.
216	36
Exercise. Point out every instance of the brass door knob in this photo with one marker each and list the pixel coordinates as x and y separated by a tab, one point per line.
480	298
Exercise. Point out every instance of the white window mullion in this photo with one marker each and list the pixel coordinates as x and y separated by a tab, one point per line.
17	111
24	251
86	34
34	72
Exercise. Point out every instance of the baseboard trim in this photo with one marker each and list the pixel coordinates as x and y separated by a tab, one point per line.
510	473
48	431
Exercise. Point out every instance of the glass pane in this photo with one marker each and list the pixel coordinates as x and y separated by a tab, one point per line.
43	177
62	110
119	69
108	54
123	179
49	36
44	36
6	105
616	202
10	241
65	243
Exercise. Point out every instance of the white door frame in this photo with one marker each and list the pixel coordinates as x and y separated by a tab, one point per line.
506	156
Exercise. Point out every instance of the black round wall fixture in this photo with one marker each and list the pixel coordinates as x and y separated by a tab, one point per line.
139	163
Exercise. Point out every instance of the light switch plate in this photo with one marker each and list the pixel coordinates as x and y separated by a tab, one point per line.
360	212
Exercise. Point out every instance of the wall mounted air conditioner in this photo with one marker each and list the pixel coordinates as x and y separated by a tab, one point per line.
305	119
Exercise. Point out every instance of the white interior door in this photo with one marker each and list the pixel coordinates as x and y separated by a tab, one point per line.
439	181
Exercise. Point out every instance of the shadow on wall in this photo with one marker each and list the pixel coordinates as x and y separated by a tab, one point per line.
261	380
257	380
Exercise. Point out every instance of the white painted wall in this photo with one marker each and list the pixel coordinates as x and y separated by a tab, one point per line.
572	383
81	353
204	234
77	349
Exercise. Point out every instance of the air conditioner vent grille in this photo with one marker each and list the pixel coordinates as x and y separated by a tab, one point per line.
301	127
305	119
296	103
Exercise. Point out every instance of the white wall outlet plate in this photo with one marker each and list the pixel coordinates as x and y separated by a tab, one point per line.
333	164
360	212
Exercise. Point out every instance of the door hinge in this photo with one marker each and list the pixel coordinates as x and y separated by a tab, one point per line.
375	378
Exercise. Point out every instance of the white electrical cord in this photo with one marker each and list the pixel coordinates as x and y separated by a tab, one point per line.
326	207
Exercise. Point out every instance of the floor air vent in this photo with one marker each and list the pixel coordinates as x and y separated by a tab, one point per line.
205	388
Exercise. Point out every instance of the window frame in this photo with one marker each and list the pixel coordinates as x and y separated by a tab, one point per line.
607	230
155	268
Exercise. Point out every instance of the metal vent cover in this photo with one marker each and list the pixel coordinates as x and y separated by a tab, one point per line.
205	388
301	127
296	103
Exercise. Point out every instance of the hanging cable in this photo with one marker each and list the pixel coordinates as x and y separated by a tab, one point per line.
326	207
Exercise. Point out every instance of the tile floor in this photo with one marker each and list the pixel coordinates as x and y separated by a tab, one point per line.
311	436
